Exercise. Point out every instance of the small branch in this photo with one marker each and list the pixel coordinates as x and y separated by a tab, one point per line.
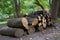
39	4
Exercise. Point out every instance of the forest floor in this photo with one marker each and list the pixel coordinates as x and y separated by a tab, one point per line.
51	33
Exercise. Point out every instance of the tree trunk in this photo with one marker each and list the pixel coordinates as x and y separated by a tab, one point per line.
17	8
58	12
54	9
12	32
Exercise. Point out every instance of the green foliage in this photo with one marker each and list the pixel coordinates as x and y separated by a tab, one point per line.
6	8
29	5
26	6
58	19
45	3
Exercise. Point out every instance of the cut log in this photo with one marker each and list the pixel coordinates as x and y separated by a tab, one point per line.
32	21
15	23
13	32
22	22
36	14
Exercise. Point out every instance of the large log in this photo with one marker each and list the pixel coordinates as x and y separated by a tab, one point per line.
22	23
13	32
17	23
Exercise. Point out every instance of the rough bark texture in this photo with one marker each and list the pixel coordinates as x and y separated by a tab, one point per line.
58	12
55	8
22	22
15	23
11	32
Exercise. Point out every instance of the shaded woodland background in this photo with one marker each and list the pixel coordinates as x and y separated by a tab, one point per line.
10	9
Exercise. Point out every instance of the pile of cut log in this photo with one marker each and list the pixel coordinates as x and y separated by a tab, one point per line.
26	23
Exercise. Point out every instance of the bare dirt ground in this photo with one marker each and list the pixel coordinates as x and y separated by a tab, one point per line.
51	33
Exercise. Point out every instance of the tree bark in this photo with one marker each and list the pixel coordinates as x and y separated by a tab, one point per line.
22	22
12	32
54	9
58	10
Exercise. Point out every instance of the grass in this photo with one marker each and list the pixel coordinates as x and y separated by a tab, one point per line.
3	23
58	19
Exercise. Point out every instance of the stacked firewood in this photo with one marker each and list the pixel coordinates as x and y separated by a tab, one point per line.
36	20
